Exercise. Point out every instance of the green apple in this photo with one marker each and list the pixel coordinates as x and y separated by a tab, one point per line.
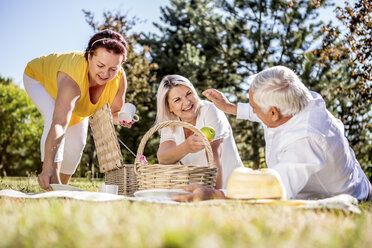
208	132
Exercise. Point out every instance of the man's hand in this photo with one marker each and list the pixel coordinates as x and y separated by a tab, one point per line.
220	101
198	193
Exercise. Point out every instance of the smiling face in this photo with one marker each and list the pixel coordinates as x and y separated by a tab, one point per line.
183	103
103	66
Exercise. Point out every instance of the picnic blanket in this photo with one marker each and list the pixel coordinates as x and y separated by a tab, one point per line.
340	202
77	195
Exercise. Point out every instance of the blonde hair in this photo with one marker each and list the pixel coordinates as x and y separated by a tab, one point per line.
167	83
279	87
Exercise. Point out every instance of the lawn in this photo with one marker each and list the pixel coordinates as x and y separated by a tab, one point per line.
72	223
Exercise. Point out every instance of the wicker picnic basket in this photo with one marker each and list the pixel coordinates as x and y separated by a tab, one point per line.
108	152
174	176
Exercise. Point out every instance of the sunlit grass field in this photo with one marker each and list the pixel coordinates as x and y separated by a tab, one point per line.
72	223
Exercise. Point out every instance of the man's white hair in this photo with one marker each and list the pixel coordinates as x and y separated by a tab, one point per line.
279	87
167	83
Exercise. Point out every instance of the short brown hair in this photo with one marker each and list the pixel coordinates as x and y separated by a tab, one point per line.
111	40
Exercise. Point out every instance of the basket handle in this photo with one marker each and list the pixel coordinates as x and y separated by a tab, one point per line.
161	125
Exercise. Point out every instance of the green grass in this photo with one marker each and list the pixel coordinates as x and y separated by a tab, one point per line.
71	223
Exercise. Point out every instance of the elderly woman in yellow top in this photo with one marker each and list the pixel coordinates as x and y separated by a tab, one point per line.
69	87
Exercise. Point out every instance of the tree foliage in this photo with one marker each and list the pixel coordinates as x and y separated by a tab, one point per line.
196	41
21	128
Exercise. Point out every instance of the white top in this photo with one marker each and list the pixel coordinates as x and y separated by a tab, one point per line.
311	154
209	115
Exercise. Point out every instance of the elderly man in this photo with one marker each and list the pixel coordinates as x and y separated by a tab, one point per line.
305	143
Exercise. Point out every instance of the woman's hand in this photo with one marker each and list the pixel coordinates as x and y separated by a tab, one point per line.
115	118
220	101
194	143
48	175
125	124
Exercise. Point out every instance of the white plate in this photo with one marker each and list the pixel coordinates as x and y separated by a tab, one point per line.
65	187
160	193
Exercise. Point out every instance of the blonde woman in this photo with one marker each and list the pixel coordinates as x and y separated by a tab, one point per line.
177	99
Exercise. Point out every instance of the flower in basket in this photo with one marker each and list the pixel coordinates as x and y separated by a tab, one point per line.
143	158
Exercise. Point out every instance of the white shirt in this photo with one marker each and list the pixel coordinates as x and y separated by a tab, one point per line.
209	115
311	153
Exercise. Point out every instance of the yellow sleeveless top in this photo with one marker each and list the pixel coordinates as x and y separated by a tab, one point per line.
44	69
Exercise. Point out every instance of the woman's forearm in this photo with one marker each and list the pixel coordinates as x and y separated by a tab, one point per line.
52	143
172	155
219	180
217	152
115	118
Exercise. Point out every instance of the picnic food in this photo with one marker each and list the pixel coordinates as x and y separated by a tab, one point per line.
208	132
245	183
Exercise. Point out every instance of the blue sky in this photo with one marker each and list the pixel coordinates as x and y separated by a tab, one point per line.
32	28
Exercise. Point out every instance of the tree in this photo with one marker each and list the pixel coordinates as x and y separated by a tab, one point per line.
221	43
198	43
21	128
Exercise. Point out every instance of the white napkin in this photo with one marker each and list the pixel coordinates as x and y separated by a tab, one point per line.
77	195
